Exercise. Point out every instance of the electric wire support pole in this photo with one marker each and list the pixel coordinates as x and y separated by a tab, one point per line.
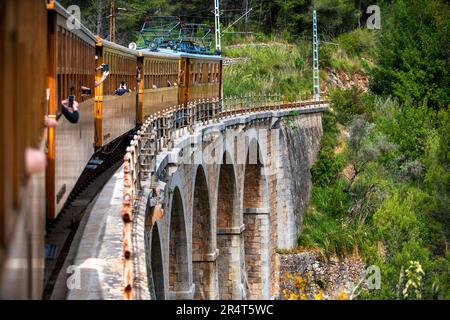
316	75
217	25
112	21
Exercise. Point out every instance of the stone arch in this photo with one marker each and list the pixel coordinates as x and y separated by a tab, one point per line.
157	268
228	231
203	251
227	202
255	193
256	219
178	248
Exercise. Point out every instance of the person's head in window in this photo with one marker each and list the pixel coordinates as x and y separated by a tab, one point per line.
122	89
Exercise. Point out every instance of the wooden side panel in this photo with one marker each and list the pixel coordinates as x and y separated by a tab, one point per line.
202	80
161	85
119	116
140	97
204	91
122	68
22	108
74	143
52	54
185	78
118	113
98	104
158	99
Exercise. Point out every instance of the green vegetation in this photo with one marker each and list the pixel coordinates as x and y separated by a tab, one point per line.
269	65
273	68
412	53
392	205
390	202
287	19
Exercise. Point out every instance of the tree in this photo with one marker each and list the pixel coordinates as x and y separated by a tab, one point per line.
413	59
365	147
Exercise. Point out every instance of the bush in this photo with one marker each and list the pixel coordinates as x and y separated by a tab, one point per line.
331	200
396	222
408	127
412	53
332	234
327	167
349	103
357	42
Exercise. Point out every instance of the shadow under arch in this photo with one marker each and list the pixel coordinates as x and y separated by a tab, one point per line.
203	262
256	218
255	192
178	251
157	269
228	232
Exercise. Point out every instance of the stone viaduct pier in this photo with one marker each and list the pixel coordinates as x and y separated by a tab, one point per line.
199	212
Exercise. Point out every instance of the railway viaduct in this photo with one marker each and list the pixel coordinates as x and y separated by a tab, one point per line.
228	194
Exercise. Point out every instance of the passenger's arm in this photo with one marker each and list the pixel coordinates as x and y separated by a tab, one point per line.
104	77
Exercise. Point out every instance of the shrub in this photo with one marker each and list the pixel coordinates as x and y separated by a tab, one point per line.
327	167
408	127
395	222
348	103
357	42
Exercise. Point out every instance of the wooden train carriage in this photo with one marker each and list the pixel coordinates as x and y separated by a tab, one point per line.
202	77
70	146
160	79
174	78
115	115
23	53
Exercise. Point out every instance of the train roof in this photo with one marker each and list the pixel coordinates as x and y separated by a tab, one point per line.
167	53
116	46
55	5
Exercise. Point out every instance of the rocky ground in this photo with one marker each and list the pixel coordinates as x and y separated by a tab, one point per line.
321	277
340	79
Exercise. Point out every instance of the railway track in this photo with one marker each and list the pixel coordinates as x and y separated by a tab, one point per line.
61	233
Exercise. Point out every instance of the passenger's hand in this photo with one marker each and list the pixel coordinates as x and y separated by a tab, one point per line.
34	161
83	88
105	75
50	122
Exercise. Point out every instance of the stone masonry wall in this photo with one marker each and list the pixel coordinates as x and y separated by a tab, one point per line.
247	224
229	251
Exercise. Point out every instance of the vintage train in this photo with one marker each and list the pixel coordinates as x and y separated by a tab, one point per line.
42	61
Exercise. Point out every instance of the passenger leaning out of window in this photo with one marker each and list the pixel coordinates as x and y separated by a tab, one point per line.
122	89
70	109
